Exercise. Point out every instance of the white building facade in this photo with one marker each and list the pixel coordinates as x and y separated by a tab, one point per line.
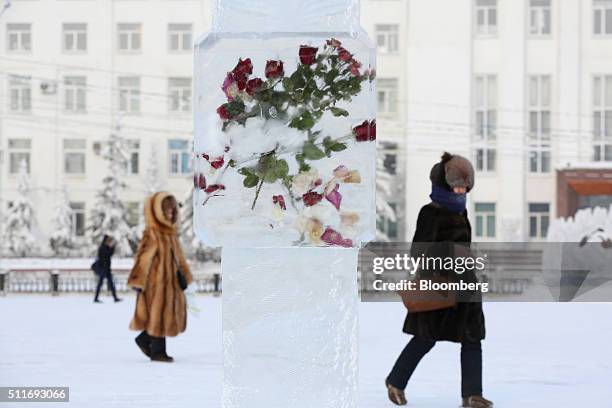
522	87
71	72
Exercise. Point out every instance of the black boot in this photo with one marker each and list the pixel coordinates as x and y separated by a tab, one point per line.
143	340
158	350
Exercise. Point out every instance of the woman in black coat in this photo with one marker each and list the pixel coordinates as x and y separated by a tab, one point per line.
103	267
445	222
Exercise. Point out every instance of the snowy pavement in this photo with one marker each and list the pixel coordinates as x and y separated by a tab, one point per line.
536	355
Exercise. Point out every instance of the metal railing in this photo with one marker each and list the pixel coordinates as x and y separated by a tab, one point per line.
66	280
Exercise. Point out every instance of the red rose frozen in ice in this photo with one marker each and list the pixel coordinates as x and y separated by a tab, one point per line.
365	132
274	69
308	55
244	67
311	198
334	196
214	187
223	113
355	65
201	182
332	237
344	55
334	43
217	163
280	200
254	85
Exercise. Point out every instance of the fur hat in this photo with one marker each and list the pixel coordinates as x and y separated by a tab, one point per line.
453	171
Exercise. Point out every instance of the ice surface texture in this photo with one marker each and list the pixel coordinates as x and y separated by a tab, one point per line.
290	328
224	152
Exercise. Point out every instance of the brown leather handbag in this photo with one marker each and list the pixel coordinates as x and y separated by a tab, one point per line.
426	300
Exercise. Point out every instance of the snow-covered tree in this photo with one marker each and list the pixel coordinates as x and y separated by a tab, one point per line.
109	215
62	239
153	181
383	192
19	221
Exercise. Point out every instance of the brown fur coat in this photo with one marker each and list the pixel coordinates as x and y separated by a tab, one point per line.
161	307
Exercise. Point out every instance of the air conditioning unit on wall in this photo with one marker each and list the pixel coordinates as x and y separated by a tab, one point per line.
48	87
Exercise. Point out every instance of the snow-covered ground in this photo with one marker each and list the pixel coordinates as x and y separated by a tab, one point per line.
536	355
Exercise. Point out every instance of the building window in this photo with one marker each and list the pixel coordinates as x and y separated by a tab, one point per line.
74	37
133	213
387	95
129	37
485	117
129	94
78	219
602	118
133	163
539	123
539	218
18	37
602	17
19	150
387	37
539	17
20	91
74	156
179	37
486	17
179	94
75	93
179	157
485	220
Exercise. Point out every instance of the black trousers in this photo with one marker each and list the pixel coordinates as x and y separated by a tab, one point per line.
415	350
109	282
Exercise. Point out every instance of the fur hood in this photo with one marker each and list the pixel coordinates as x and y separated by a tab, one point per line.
154	214
453	171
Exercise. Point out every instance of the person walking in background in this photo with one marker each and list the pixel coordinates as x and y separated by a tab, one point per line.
102	267
445	220
159	276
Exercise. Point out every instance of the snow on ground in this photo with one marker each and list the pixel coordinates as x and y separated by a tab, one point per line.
553	355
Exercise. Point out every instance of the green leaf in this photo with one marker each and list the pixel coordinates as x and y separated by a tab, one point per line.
297	79
338	111
250	181
303	122
312	151
281	169
337	147
288	84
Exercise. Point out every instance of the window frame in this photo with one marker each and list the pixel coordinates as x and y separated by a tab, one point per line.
485	115
183	158
130	94
75	86
20	85
16	151
602	113
538	216
539	106
19	30
486	29
76	214
603	7
131	31
390	34
177	94
482	220
540	12
74	152
390	88
183	46
74	32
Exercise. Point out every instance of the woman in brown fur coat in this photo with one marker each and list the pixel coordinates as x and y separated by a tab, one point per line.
161	308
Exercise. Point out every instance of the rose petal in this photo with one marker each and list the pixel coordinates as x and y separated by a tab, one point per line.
214	187
280	200
334	197
349	218
341	172
332	237
311	198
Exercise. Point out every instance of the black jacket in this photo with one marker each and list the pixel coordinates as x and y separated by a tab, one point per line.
105	253
464	322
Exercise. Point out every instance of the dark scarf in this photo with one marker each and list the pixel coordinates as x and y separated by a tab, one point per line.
452	201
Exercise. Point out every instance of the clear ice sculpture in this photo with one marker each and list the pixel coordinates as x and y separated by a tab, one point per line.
284	176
